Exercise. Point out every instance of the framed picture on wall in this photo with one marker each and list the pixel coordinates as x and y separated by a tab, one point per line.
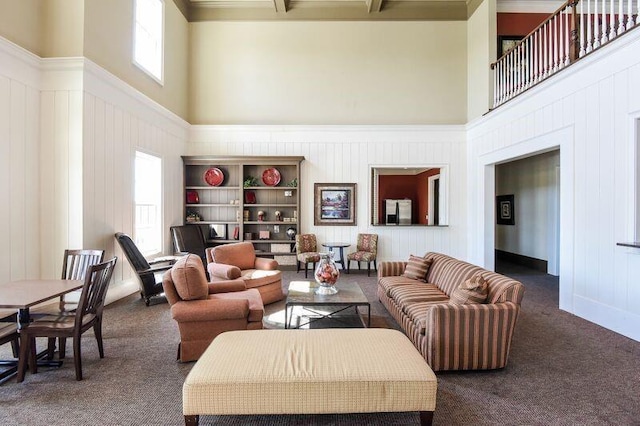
505	213
334	204
506	43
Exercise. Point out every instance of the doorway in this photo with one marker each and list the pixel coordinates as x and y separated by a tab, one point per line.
531	238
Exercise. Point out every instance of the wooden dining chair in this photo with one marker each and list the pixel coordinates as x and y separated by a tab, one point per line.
87	315
74	266
306	252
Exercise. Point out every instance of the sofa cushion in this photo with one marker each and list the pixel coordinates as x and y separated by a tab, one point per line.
417	292
417	268
417	312
256	308
256	278
472	290
453	274
387	283
189	278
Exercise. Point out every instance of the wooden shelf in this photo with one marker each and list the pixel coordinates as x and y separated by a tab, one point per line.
224	204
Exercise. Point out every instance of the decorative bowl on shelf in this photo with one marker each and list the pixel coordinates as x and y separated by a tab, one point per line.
214	176
271	176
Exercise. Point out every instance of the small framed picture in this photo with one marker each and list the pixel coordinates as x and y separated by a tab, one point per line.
335	204
505	212
506	43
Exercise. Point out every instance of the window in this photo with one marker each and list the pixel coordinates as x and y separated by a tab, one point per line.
148	203
148	37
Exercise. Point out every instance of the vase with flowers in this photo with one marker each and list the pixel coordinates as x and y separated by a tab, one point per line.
326	274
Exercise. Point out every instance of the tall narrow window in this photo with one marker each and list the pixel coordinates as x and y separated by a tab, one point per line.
148	201
148	37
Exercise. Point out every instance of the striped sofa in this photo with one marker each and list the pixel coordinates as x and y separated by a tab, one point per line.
451	336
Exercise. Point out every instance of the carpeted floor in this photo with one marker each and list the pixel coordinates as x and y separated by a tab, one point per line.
562	371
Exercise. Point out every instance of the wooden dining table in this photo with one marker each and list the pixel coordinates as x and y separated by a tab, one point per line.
22	295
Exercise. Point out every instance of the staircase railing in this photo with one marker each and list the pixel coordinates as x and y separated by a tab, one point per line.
576	29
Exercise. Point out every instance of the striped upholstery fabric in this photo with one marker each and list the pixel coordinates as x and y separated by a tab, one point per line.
473	290
452	337
417	268
387	283
416	292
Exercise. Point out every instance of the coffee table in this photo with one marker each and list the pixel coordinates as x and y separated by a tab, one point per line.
303	293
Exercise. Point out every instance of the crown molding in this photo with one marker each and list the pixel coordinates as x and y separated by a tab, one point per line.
528	6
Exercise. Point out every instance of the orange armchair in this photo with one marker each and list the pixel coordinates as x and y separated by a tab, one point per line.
238	260
204	310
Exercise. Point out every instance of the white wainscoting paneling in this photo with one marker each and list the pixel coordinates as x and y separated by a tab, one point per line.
344	154
588	111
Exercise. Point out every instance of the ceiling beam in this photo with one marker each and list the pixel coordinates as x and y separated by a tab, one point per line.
280	6
374	5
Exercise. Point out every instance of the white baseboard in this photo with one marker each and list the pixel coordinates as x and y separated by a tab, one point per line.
622	322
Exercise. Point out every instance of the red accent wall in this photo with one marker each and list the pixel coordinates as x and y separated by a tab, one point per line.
412	187
519	24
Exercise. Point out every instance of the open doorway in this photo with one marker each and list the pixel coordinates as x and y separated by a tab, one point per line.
528	213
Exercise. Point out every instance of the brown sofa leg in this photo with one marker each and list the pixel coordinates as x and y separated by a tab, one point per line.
426	418
191	420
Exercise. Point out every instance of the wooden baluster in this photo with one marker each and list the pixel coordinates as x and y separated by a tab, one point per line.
576	47
596	26
604	38
612	20
630	14
583	50
621	16
534	55
562	37
554	44
589	40
503	79
527	61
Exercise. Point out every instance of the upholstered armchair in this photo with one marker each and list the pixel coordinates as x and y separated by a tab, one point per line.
203	310
366	251
238	260
306	252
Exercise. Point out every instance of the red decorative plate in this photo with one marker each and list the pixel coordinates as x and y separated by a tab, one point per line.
271	177
192	197
214	176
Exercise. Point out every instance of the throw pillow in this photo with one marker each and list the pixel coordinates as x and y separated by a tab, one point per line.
189	279
473	290
417	268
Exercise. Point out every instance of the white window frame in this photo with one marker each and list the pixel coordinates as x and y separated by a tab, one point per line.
158	78
142	209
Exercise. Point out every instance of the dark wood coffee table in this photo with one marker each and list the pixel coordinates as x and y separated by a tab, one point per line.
303	293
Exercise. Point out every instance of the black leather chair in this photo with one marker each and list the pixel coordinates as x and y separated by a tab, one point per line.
189	239
149	273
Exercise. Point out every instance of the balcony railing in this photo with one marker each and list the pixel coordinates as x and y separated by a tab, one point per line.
576	29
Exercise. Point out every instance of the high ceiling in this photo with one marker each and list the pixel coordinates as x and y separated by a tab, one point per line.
352	10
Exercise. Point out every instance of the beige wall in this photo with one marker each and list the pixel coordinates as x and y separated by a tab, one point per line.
20	22
108	42
328	73
63	28
481	45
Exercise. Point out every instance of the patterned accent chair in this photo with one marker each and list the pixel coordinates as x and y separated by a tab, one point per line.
366	251
306	252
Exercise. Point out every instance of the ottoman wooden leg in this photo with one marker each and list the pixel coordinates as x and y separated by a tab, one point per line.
191	420
426	418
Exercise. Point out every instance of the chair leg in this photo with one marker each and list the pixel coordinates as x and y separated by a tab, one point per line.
51	347
22	359
348	265
15	347
62	347
375	267
359	268
77	357
33	359
97	330
368	269
297	266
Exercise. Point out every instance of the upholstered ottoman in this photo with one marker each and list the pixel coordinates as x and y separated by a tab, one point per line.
309	372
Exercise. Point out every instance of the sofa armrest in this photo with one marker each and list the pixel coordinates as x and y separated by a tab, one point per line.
227	286
391	269
224	271
469	337
210	310
264	264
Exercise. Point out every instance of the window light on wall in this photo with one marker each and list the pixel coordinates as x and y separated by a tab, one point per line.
148	37
148	203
